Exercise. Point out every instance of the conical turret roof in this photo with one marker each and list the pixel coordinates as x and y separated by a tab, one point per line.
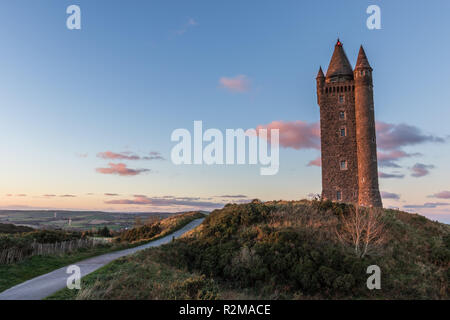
320	74
339	64
362	62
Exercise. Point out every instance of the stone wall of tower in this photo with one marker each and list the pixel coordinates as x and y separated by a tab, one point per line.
334	98
369	194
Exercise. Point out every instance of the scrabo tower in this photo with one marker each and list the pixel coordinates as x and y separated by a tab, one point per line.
347	125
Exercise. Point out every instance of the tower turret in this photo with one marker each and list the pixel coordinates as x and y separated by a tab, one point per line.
339	68
320	79
368	189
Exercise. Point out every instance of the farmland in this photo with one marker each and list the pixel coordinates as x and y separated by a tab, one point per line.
77	220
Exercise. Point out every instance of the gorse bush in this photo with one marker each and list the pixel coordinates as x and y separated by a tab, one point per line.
139	233
294	248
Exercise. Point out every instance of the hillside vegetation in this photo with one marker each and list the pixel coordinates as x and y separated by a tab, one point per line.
25	262
286	250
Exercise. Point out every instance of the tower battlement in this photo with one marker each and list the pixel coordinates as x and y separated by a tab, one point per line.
347	125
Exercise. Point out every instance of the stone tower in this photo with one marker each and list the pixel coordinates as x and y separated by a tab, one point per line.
347	125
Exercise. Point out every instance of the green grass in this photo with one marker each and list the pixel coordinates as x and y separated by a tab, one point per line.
121	278
13	274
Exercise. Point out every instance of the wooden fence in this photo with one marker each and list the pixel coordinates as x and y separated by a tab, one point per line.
16	254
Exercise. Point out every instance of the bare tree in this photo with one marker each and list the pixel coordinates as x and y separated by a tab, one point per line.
363	229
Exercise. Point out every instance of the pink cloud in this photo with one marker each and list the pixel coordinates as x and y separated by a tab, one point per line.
240	83
117	156
296	134
121	170
316	162
390	139
441	195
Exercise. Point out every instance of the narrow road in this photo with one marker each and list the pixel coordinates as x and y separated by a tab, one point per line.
41	287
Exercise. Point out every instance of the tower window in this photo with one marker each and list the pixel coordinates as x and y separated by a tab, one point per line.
343	165
342	115
339	195
341	98
343	132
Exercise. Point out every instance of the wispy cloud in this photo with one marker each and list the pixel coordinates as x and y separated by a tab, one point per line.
120	169
117	156
421	170
166	201
389	195
428	205
109	155
394	136
232	196
389	158
240	83
67	196
111	194
383	175
441	195
188	25
154	156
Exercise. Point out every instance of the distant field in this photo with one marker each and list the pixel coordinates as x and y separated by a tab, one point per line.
79	220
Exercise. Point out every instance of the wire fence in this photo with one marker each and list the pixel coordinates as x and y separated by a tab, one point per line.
17	254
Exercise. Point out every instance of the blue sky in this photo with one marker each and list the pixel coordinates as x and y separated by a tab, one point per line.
137	70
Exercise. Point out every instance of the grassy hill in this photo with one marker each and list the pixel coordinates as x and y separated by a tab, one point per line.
8	228
286	250
30	266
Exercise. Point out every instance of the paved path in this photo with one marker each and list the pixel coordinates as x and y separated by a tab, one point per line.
41	287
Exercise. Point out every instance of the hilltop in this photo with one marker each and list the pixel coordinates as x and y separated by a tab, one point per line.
286	250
